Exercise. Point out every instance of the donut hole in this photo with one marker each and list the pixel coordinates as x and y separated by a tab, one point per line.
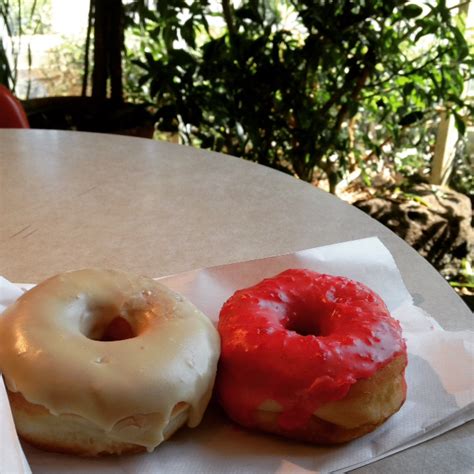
304	328
106	324
118	329
304	322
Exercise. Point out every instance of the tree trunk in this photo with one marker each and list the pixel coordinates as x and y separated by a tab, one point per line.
116	36
85	77
108	46
303	170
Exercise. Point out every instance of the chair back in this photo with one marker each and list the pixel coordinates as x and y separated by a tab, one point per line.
12	113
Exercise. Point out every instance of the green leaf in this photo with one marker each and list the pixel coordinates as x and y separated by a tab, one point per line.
143	80
411	118
415	198
408	88
411	11
155	32
249	14
427	27
169	35
461	44
162	7
353	107
155	86
460	124
187	32
456	284
149	58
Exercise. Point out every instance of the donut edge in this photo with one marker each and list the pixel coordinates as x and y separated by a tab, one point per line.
72	434
324	432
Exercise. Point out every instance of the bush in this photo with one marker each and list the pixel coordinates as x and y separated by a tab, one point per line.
62	72
345	83
17	19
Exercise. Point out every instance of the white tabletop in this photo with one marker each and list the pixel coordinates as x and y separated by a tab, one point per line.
71	199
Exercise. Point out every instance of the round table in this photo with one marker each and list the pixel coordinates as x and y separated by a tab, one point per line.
71	199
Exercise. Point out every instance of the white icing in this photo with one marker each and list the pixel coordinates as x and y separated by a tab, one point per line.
46	355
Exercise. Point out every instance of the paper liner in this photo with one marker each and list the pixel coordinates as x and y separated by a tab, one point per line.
440	381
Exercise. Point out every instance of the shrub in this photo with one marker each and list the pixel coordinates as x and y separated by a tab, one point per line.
344	83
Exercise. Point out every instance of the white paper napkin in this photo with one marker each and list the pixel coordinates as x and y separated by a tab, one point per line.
440	381
12	459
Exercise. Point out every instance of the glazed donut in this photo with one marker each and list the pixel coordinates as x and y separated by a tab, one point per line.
100	361
311	357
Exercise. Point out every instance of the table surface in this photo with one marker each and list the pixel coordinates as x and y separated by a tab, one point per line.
70	200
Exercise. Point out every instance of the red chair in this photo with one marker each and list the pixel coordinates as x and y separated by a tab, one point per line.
12	113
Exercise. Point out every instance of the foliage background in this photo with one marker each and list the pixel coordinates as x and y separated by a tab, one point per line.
321	90
343	85
326	91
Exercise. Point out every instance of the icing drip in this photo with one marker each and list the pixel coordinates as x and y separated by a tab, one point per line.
116	350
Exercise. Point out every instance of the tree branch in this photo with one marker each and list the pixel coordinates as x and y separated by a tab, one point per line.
226	8
414	70
361	80
85	77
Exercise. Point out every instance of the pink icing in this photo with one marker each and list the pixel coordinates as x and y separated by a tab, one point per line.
302	339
